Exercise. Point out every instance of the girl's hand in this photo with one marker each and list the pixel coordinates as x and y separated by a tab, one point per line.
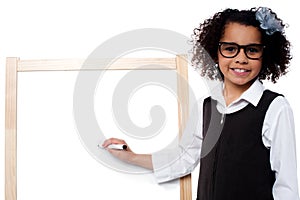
124	155
142	160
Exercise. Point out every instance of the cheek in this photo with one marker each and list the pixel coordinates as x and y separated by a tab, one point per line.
223	63
257	67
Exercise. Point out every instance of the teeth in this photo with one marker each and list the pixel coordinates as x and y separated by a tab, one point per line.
240	70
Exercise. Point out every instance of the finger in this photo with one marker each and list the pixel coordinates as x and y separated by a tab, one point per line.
116	153
110	141
122	155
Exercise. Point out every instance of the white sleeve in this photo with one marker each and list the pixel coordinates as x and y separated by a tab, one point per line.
170	164
279	136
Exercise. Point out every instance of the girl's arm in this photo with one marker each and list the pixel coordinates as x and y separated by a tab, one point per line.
279	134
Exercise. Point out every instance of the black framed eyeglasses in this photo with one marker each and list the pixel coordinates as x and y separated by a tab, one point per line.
231	50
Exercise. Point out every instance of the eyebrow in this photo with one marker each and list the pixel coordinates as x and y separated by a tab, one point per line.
243	44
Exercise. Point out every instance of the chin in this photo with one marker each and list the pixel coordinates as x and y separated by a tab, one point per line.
242	82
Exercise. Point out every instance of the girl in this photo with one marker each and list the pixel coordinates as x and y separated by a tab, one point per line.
254	155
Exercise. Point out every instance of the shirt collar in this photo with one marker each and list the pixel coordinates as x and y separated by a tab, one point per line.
254	93
251	95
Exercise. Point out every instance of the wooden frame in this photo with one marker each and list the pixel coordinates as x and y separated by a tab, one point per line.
15	65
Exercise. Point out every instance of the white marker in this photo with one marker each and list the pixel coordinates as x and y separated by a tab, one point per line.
118	146
115	146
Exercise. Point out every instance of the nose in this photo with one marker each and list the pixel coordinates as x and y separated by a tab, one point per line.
241	57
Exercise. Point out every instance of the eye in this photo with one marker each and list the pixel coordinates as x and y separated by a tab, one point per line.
254	49
230	48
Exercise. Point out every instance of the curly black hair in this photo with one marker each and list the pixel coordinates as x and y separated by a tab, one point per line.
276	55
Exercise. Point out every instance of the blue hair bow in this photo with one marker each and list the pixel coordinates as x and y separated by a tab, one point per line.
268	20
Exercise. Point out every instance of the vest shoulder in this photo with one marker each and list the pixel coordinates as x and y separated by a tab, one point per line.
272	93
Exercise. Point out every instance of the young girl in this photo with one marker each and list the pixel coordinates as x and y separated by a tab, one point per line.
254	156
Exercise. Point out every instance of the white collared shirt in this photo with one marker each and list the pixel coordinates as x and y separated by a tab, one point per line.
278	134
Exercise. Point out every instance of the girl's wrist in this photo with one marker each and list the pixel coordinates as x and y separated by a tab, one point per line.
133	159
142	160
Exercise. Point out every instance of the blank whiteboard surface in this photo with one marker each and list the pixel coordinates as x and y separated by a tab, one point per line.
53	162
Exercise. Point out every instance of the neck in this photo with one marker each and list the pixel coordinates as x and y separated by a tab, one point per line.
232	92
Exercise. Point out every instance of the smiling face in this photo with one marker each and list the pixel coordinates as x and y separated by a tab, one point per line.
240	71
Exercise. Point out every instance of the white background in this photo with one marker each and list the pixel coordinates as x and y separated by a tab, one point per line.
73	29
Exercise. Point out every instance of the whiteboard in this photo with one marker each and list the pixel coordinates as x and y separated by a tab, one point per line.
51	155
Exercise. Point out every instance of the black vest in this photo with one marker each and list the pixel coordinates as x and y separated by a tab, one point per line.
237	165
